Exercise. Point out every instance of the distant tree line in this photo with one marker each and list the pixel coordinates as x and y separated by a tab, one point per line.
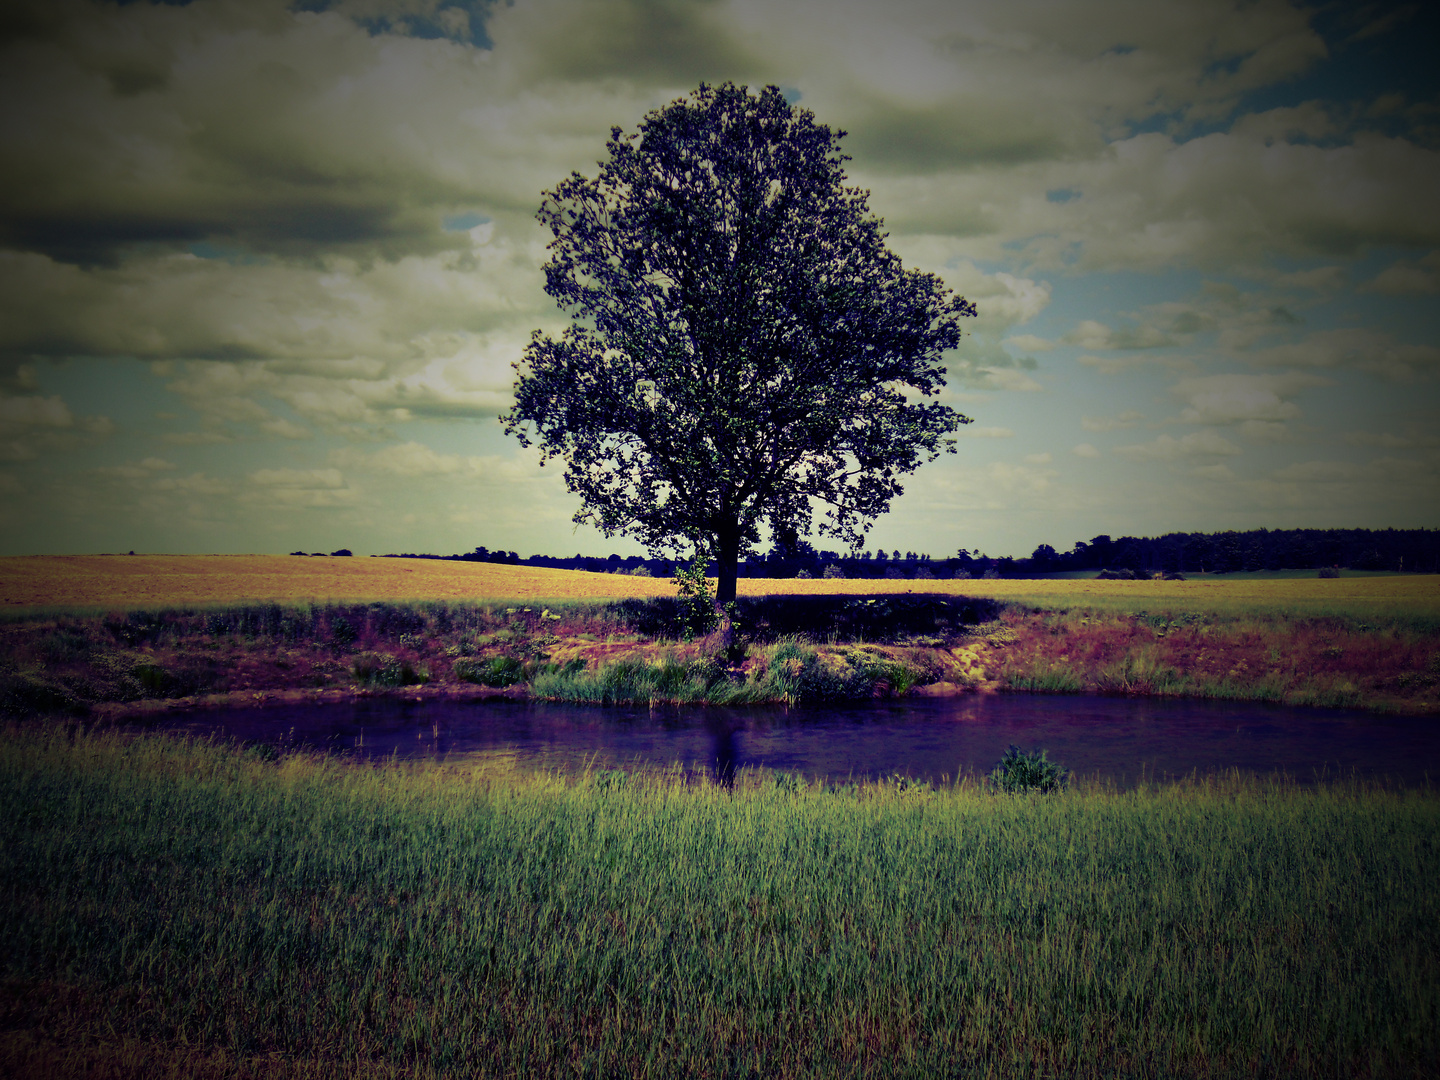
1415	550
480	554
1257	549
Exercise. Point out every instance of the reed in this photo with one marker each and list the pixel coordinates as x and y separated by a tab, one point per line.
200	908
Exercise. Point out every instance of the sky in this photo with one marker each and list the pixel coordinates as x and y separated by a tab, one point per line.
265	265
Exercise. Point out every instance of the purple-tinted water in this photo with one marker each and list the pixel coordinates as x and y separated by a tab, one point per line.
1117	738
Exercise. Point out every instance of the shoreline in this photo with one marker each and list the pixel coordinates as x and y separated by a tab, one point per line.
128	666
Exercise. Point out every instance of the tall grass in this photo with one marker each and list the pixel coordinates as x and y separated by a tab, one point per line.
309	917
789	672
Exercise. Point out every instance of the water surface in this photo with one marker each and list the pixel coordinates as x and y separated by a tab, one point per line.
1121	739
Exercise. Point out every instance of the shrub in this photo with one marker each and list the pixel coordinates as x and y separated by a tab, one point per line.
697	602
833	572
383	669
961	575
29	693
1019	772
803	575
1329	572
496	671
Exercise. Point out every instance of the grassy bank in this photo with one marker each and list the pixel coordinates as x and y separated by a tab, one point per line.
781	648
188	909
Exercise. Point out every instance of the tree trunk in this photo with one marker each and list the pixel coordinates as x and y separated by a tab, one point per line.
727	558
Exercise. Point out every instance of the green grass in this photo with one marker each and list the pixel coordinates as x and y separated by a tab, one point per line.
312	917
788	672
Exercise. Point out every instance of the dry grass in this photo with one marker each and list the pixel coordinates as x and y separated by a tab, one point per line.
123	581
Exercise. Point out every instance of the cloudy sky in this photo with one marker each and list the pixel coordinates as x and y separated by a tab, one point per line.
265	265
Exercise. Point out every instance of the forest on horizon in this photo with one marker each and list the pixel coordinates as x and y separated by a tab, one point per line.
1413	550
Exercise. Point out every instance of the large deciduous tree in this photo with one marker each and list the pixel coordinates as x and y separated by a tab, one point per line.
745	351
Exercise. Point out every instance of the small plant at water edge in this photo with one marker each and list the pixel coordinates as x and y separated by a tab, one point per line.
496	671
383	669
1019	771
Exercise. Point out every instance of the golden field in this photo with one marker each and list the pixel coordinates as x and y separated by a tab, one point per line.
149	581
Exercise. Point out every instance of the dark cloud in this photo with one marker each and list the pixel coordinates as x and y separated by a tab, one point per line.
675	43
949	135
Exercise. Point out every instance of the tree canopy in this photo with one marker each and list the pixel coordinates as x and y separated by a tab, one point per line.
745	351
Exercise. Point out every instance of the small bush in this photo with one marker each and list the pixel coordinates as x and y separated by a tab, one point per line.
803	575
383	669
1329	572
697	602
833	572
1020	772
63	645
28	693
961	575
498	671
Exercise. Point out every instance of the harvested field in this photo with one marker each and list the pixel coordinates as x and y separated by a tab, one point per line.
149	581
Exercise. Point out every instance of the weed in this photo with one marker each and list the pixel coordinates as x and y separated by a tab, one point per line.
1019	772
385	669
495	671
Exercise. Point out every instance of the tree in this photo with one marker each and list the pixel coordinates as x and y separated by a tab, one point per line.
744	349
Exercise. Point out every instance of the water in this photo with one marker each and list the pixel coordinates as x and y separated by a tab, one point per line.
930	738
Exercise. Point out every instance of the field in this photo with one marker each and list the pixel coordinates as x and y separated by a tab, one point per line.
187	910
153	581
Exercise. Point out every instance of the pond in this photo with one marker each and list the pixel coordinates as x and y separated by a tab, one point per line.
1120	739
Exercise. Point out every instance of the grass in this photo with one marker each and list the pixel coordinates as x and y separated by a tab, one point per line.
1389	663
789	672
631	650
190	909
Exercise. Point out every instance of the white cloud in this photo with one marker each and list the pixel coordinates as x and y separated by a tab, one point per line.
410	459
1114	365
1219	473
32	425
1232	398
1391	440
298	478
299	489
1128	419
1407	277
1312	472
1085	450
971	431
1090	334
1028	343
1167	448
1006	379
1375	352
140	470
